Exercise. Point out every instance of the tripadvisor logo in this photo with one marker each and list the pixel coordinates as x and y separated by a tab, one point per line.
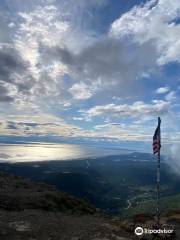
139	231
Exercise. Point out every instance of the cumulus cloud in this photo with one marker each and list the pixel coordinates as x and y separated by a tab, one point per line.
154	22
81	91
137	109
162	90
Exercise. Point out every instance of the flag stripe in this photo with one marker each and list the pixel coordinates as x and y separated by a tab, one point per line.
156	145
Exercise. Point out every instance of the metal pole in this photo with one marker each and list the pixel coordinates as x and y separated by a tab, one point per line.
158	175
158	189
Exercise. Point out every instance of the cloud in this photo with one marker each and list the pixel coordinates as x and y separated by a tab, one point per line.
14	75
52	26
4	156
92	3
39	125
53	61
10	62
55	46
59	46
52	45
154	22
171	96
162	90
137	109
42	125
78	118
171	153
120	132
81	91
4	94
49	125
110	66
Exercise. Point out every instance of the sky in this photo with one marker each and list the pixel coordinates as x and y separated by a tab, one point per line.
92	72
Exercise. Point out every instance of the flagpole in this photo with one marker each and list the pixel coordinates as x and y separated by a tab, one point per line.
158	178
158	189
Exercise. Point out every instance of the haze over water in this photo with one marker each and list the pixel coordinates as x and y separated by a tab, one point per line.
45	152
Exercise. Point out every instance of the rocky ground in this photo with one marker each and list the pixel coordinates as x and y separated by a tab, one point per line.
40	225
31	211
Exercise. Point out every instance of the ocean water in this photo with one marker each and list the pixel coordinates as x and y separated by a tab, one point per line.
30	152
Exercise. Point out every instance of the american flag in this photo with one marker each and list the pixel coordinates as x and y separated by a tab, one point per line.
157	138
